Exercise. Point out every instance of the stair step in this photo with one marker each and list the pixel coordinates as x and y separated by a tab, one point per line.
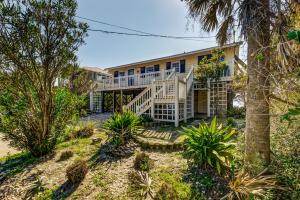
160	144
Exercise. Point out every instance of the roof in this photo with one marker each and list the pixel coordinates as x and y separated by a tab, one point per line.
178	55
97	70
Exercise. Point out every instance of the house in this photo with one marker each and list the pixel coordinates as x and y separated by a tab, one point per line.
165	88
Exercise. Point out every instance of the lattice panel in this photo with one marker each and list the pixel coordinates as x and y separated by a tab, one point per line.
218	98
97	102
164	112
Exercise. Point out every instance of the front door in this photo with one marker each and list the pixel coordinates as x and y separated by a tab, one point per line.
130	77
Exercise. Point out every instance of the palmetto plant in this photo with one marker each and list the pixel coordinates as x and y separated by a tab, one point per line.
244	186
209	145
121	127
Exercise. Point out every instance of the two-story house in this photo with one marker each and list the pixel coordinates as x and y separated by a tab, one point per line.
165	88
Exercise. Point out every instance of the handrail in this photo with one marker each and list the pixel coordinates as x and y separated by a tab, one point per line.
137	97
190	73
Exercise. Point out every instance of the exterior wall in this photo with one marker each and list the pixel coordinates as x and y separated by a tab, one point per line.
190	60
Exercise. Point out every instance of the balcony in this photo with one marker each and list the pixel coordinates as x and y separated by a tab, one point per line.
132	81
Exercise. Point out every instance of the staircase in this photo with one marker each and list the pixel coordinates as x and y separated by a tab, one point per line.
168	100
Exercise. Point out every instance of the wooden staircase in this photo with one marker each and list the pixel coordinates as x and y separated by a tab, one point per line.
168	100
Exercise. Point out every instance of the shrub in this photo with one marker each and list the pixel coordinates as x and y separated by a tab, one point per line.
237	112
77	171
143	162
121	127
231	122
23	131
146	118
174	184
243	186
209	145
65	155
166	192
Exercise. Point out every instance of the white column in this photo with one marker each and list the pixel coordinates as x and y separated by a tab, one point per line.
152	99
176	102
193	101
91	100
185	102
208	98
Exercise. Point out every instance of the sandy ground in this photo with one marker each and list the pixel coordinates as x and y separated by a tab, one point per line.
5	148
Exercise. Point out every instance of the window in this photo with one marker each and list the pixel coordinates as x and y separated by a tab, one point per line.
122	74
176	66
150	69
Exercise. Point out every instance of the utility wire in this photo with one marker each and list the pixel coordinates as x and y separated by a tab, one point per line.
146	34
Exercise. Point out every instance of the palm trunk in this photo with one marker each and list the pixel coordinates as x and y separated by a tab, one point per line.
257	150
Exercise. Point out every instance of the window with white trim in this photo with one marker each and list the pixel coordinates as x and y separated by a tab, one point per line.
176	66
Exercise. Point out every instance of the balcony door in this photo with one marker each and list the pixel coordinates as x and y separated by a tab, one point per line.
130	77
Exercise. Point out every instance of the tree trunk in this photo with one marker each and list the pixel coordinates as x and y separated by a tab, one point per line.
257	150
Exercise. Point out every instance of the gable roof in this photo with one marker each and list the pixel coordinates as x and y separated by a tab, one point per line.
177	55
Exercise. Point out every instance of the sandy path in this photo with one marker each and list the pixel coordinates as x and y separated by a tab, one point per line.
5	148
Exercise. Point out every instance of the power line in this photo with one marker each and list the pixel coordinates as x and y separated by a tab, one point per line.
145	35
142	32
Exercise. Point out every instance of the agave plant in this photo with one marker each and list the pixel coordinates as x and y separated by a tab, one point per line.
121	127
209	145
243	186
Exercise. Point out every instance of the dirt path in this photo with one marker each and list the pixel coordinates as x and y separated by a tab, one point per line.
5	148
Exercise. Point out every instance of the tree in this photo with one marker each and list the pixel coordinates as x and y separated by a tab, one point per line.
212	69
39	40
257	20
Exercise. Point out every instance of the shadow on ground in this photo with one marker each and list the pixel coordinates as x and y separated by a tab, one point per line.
17	163
65	190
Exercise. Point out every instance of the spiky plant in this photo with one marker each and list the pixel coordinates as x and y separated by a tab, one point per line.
209	145
244	186
142	181
121	127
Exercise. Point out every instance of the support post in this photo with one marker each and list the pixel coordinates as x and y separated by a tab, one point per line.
176	102
193	102
91	100
185	102
121	103
208	98
114	101
152	100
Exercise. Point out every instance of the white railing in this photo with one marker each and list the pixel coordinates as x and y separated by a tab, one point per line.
134	80
140	102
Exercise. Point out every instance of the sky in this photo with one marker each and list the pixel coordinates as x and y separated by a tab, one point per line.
165	17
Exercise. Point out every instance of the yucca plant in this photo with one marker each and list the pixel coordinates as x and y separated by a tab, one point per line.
142	182
121	127
243	186
209	145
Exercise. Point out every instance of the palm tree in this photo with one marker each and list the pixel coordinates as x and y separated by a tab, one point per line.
253	18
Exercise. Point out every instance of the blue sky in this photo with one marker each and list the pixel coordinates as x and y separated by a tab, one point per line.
167	17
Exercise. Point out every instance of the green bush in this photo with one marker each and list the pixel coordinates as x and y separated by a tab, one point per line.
77	171
65	155
22	126
85	130
237	112
143	162
173	187
231	122
121	127
146	118
209	145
